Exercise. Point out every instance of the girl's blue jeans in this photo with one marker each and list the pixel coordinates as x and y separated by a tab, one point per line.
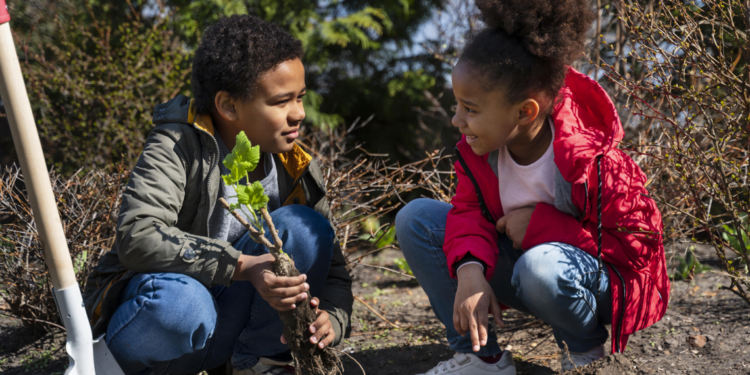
555	282
171	323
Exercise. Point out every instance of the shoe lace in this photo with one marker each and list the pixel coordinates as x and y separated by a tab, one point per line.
443	366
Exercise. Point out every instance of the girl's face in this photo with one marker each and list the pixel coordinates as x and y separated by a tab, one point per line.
272	116
488	119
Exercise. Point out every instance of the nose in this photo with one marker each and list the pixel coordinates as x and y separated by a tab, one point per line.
297	114
458	121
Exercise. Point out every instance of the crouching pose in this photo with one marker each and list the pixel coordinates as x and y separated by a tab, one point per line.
550	217
185	288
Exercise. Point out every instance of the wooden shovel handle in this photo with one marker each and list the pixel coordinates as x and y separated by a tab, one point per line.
29	149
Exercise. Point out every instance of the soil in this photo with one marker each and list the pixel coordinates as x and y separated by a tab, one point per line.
418	342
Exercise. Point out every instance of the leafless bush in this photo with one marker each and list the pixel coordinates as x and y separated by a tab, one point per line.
362	188
684	77
88	206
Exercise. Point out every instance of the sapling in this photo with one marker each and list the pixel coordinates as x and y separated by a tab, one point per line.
252	200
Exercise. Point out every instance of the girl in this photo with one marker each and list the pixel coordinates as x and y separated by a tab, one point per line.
550	217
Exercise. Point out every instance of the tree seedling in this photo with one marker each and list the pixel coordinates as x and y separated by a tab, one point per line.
252	200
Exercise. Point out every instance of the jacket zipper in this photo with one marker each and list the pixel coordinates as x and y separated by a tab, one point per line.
482	205
486	213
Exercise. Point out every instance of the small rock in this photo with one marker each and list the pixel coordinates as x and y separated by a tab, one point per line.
666	352
697	341
671	343
709	338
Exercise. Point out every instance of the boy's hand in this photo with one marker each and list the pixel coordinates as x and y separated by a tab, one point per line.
281	292
322	330
474	299
514	225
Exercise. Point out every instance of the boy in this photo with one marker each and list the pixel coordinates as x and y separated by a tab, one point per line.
184	288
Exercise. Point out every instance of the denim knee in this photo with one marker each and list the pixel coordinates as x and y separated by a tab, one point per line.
412	223
536	278
300	227
175	308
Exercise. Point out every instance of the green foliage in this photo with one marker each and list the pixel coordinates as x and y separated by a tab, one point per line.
733	236
413	83
375	234
93	90
242	160
250	198
689	266
403	266
739	241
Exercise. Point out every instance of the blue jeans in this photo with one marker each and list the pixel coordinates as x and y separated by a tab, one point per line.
554	282
171	323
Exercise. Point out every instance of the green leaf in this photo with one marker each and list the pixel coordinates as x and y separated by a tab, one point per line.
243	159
690	260
252	195
387	238
403	265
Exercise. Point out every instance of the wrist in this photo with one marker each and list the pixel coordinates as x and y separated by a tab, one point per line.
244	263
470	271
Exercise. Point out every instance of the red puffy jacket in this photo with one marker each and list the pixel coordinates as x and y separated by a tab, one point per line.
587	132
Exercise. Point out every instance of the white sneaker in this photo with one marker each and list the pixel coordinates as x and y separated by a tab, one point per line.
569	361
469	364
267	366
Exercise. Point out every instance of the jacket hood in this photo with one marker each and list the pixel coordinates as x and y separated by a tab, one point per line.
586	125
181	109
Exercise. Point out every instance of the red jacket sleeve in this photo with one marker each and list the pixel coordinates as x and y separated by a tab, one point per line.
631	222
467	230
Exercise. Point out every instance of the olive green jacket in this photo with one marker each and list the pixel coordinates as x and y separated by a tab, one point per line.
166	207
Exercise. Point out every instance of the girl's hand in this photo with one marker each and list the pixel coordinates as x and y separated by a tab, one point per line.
322	330
474	299
281	292
514	225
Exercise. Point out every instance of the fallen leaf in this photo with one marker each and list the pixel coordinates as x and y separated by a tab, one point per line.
409	292
696	329
697	341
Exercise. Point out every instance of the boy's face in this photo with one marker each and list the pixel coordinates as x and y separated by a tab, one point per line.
272	116
487	119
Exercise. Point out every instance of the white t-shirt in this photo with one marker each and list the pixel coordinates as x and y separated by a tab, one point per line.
526	185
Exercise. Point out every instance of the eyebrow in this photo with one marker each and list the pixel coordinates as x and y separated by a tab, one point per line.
469	103
284	95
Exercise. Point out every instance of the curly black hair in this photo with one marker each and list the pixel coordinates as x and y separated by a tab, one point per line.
234	53
527	44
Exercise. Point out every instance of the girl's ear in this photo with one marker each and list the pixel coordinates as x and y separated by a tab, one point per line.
528	111
224	104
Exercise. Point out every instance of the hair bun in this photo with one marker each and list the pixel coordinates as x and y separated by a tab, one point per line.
549	29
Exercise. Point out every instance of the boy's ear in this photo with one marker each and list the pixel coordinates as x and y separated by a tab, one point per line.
528	112
224	104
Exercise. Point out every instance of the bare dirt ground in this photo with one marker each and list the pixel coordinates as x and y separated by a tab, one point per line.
413	340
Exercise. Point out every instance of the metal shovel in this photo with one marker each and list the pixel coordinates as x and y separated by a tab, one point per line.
87	356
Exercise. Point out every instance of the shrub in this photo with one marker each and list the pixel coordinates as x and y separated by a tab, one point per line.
88	206
93	91
684	75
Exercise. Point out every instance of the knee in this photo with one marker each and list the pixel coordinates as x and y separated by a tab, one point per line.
414	222
178	306
306	234
299	220
537	272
